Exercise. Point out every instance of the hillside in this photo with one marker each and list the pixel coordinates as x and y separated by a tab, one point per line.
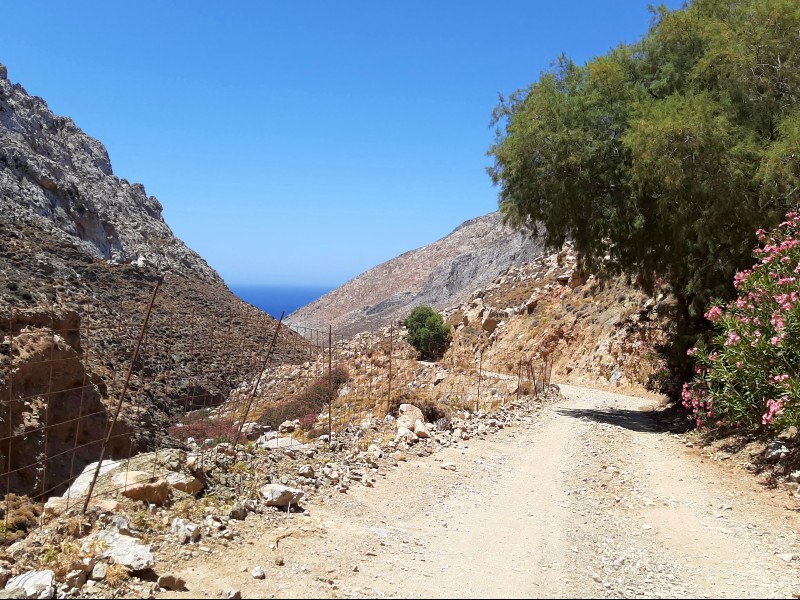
440	274
80	252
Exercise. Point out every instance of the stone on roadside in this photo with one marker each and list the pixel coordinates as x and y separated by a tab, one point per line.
449	466
405	434
306	471
185	531
259	573
172	582
99	571
420	430
408	414
276	494
76	578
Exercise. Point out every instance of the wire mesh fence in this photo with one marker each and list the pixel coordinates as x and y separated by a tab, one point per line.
203	383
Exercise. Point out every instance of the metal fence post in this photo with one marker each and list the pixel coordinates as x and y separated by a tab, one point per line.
113	422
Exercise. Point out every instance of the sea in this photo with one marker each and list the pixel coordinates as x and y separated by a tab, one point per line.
274	299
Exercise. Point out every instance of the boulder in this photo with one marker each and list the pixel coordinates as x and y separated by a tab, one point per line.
35	584
122	549
276	494
420	429
140	486
184	482
408	414
289	426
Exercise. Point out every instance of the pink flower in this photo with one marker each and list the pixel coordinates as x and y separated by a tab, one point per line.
714	314
733	337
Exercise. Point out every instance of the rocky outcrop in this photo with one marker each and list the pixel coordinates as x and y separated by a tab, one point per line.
56	177
441	274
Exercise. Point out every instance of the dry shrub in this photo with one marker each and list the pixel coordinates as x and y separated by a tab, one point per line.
309	402
116	574
18	516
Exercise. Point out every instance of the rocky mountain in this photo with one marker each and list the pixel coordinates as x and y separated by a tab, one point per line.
57	178
80	252
440	274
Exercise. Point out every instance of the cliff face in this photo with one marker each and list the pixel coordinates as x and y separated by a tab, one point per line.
440	275
57	178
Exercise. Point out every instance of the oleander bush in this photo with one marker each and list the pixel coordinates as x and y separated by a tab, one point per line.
749	372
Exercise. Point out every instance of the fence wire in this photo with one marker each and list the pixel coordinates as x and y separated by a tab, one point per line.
198	381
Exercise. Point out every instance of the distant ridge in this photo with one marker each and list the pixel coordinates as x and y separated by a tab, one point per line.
440	274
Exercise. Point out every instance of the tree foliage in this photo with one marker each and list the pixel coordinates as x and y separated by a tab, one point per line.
427	332
661	158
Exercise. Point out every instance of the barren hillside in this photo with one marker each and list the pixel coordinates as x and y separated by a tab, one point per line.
440	274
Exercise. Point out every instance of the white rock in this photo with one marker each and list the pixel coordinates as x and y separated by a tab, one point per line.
37	584
259	573
122	549
280	495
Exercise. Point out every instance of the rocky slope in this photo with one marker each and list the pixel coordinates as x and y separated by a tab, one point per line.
440	274
80	251
57	178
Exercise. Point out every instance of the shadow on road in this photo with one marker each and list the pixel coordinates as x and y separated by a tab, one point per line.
635	420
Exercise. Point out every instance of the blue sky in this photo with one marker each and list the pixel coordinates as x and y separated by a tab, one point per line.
297	142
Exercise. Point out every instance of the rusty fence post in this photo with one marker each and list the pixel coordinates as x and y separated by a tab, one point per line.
391	349
118	409
264	365
330	383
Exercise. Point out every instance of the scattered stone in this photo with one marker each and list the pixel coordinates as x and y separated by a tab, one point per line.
232	594
279	561
237	512
306	471
775	451
99	571
76	578
448	466
172	582
259	573
185	531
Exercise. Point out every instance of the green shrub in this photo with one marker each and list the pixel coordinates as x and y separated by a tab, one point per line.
427	332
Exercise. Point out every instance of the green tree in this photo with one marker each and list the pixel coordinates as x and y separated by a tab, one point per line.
662	158
427	332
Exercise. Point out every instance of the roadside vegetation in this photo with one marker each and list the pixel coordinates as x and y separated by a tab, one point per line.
661	158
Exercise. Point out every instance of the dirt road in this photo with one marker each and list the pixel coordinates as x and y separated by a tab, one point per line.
587	499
